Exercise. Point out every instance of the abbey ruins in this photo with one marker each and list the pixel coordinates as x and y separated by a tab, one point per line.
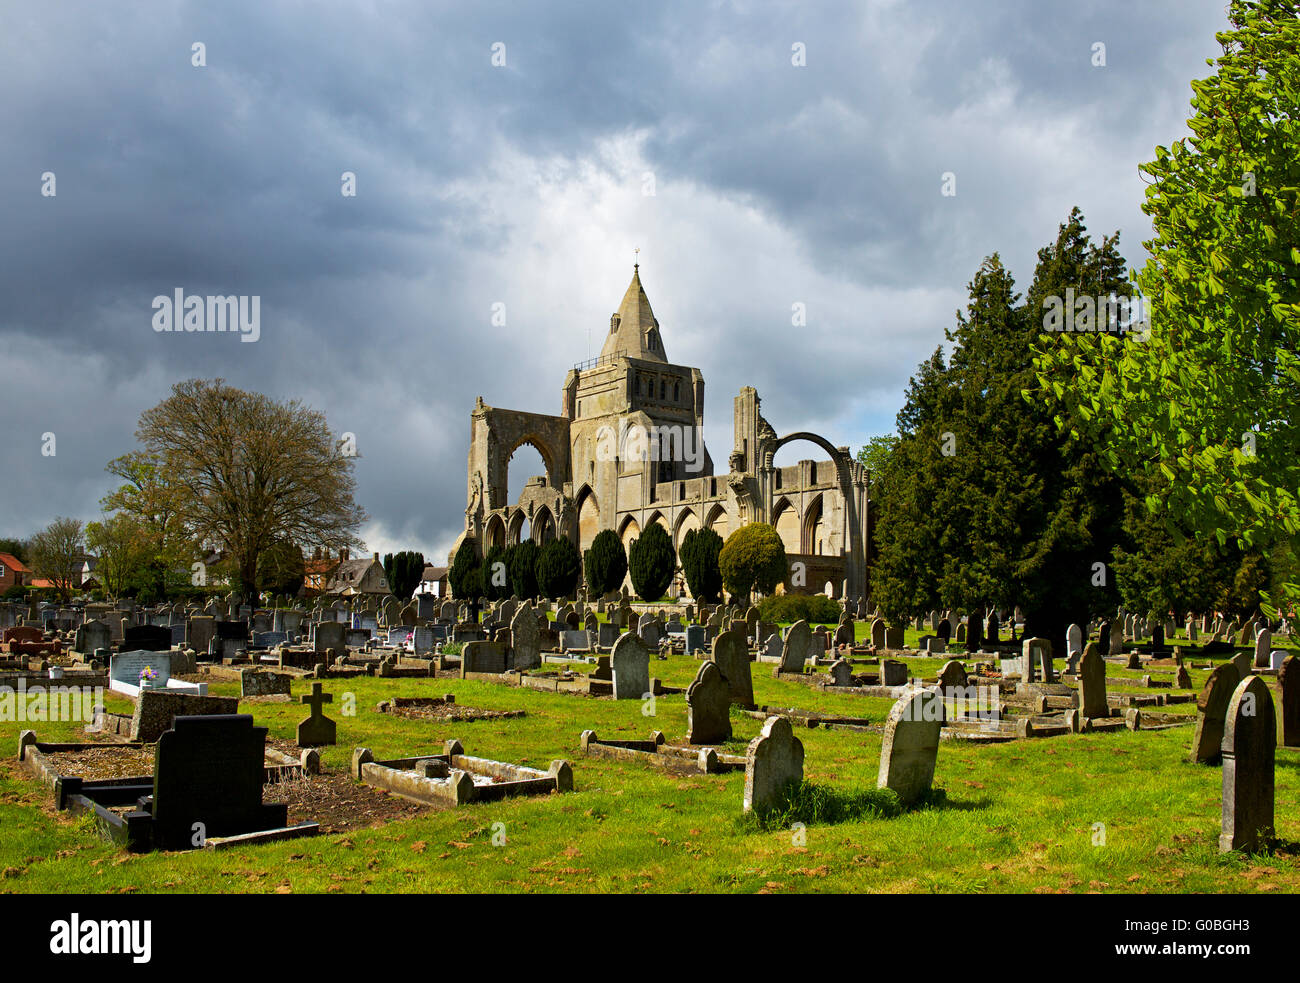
626	450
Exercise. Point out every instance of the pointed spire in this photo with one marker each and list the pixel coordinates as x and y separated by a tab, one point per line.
633	330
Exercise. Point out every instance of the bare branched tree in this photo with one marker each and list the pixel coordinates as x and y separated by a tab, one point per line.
57	554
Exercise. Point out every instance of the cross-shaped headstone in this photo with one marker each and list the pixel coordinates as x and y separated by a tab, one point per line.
318	729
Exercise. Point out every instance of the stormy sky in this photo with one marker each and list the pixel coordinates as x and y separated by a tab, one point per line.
749	183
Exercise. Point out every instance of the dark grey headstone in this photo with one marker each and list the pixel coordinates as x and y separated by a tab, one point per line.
209	771
1249	743
147	638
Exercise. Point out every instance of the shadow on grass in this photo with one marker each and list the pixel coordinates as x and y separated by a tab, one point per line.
812	804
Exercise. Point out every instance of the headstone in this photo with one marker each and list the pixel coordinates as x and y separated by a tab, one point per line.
1249	742
731	655
147	638
482	656
798	643
208	774
694	639
318	729
525	640
841	673
1242	661
911	745
92	635
1288	679
630	662
199	632
1263	645
893	672
329	635
1036	655
894	639
773	764
708	703
878	633
1212	709
258	682
1092	683
424	637
952	676
125	667
1073	639
648	629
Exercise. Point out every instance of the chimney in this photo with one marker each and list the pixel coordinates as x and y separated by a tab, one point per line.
376	557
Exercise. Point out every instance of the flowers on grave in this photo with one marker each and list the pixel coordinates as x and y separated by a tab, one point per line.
147	675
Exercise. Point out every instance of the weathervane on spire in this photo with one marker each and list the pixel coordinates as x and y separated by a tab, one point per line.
636	258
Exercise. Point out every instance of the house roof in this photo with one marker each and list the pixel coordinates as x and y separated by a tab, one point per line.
319	567
350	572
11	562
434	573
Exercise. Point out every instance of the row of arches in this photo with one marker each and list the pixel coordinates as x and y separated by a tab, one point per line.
808	533
716	519
540	529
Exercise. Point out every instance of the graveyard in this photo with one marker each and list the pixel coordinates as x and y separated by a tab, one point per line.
363	530
434	780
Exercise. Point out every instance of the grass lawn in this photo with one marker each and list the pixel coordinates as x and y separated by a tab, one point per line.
1014	817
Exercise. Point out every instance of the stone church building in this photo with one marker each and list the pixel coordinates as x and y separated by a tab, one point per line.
626	450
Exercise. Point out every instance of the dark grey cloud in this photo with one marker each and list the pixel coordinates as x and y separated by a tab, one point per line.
523	185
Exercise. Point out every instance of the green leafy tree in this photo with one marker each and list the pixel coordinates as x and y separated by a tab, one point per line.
985	501
753	558
404	571
902	496
15	548
559	568
652	561
875	454
605	563
1205	402
699	555
464	575
122	543
1167	571
522	563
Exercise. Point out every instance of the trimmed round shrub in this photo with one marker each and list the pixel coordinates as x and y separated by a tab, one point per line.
496	580
604	564
816	609
463	577
699	556
521	560
753	558
652	561
558	569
